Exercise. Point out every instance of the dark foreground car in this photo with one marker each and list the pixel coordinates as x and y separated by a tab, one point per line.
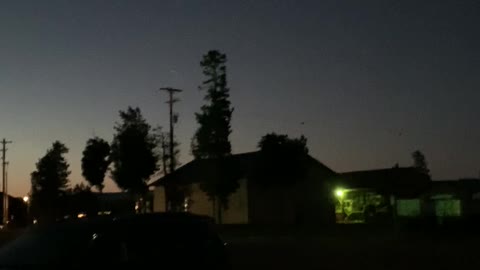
161	241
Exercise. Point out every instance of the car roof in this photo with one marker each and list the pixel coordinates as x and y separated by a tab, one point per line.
153	219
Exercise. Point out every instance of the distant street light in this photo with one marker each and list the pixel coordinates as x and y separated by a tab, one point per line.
339	193
26	200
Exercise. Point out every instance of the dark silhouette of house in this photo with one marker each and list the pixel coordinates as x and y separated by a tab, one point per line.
17	210
453	199
401	182
86	204
323	196
305	201
115	203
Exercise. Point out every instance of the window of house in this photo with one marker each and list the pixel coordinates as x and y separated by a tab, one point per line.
408	208
448	208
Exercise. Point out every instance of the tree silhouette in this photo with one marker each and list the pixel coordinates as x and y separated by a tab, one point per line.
50	182
211	140
176	153
163	149
95	162
79	188
175	195
133	152
282	160
420	162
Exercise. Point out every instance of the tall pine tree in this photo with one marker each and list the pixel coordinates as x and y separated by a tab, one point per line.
211	140
420	163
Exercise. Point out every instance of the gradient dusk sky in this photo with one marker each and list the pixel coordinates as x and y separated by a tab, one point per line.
367	82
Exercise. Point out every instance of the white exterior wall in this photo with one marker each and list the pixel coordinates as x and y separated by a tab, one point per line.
237	213
159	199
199	203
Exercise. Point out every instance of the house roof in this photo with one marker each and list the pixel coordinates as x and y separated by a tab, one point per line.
109	197
461	186
406	181
197	170
10	197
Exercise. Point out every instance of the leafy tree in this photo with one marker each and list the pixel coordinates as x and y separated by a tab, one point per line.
50	182
221	180
420	162
282	160
95	162
211	140
133	152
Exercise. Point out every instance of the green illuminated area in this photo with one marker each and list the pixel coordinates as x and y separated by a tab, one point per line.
447	205
409	208
358	205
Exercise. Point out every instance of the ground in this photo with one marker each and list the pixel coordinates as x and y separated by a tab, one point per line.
359	251
351	249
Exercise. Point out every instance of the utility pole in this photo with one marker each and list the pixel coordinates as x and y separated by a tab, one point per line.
4	181
171	91
6	187
163	143
171	190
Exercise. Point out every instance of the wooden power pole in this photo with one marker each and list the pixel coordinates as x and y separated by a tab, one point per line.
171	91
4	181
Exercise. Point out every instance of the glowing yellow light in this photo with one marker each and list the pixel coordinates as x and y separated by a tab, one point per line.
81	215
25	199
339	193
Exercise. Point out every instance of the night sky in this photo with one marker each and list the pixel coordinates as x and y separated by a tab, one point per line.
367	82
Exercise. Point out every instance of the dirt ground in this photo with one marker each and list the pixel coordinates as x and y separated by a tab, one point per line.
366	251
350	249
